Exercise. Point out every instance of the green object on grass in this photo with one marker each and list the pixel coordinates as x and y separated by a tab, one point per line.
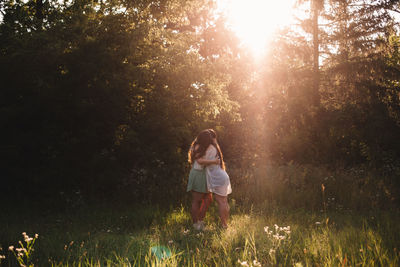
161	252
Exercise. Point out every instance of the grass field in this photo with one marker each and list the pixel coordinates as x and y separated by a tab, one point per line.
115	236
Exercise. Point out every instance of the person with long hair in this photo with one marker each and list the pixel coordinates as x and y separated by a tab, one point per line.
218	181
197	183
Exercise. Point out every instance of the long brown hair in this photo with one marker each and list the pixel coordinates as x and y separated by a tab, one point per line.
203	140
216	145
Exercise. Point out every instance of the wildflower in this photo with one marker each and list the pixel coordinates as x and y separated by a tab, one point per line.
170	242
266	229
243	263
2	257
186	231
26	237
272	251
11	248
317	223
256	263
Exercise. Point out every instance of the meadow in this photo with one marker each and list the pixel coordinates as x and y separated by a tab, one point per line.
258	235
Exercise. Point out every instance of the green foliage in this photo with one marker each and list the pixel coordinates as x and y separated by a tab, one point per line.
102	95
104	98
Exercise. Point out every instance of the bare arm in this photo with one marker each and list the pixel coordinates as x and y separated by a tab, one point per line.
206	162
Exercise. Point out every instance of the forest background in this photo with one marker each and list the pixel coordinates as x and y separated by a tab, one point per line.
100	101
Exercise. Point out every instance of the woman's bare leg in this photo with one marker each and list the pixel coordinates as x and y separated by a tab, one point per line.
196	201
223	208
206	202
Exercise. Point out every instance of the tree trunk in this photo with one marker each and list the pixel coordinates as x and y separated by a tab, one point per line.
315	95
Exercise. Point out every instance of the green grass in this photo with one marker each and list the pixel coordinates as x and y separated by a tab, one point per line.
109	236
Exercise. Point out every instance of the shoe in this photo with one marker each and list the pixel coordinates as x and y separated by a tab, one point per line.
202	225
197	226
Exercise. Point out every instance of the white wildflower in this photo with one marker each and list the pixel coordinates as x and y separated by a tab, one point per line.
11	248
170	242
317	223
243	263
186	231
272	251
2	257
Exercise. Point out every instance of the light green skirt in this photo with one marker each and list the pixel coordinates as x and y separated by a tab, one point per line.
197	181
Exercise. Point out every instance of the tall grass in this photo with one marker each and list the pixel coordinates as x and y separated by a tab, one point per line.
123	237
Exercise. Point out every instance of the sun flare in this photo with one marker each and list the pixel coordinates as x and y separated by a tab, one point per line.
255	21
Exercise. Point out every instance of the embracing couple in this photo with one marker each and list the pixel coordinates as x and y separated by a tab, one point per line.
208	177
